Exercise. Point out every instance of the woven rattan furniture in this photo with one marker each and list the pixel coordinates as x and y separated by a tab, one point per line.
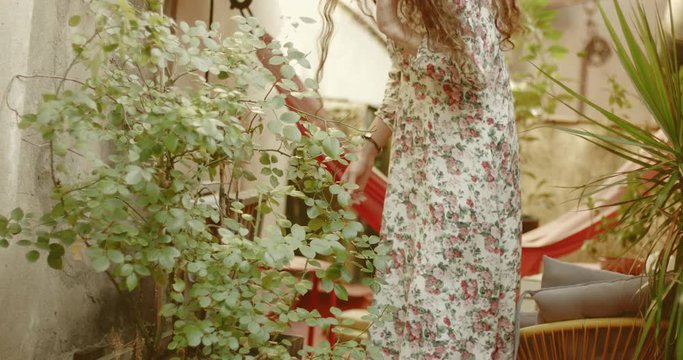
588	339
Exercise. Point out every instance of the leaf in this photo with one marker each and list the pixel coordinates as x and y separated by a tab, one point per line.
290	117
292	133
277	60
274	126
167	257
168	310
289	85
57	250
142	270
287	71
254	327
55	262
344	199
74	21
4	243
196	225
100	263
298	232
331	147
110	47
264	159
171	142
109	188
327	285
179	285
311	84
131	282
307	251
115	256
125	269
204	301
17	214
193	335
249	175
233	344
67	237
134	175
32	256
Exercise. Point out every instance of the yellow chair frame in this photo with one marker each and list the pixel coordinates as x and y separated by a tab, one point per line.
588	339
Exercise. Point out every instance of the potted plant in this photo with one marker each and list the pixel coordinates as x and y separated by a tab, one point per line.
139	215
648	54
539	45
617	246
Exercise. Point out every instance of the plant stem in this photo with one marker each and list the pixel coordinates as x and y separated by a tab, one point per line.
132	309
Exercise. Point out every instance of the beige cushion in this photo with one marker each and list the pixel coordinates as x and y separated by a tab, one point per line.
355	319
559	273
616	298
347	334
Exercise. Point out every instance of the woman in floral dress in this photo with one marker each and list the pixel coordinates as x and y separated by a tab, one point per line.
452	209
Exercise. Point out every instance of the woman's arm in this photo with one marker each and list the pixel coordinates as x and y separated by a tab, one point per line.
360	170
389	23
471	65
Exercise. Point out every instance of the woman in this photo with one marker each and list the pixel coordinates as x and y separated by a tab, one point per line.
452	210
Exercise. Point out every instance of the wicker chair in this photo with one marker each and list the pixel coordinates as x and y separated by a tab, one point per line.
587	339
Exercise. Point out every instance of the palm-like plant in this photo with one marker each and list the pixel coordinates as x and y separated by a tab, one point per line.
647	51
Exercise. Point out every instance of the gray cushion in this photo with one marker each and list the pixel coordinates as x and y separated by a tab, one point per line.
528	318
559	273
615	298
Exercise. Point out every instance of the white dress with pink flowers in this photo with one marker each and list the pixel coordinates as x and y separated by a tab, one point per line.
452	210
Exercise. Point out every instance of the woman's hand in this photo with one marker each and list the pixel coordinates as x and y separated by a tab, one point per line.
389	23
387	18
358	172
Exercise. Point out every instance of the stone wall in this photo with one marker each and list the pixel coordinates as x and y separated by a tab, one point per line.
44	313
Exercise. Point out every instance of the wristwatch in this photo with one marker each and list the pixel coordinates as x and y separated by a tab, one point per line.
368	136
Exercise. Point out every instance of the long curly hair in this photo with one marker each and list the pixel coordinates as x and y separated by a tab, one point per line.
440	30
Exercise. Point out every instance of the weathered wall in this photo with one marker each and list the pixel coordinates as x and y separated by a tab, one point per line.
565	161
44	314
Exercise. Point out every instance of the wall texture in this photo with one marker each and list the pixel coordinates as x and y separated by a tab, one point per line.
564	161
44	314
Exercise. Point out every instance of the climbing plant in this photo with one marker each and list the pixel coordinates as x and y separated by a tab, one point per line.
143	210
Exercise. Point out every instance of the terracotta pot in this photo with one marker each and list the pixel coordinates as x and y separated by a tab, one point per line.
628	266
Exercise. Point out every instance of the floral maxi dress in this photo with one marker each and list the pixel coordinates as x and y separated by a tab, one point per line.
452	209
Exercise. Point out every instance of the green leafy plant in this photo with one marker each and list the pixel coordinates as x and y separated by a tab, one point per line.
648	54
140	211
617	238
539	44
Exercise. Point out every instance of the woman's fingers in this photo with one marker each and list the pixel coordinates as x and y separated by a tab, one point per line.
362	181
349	176
345	176
357	173
358	197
